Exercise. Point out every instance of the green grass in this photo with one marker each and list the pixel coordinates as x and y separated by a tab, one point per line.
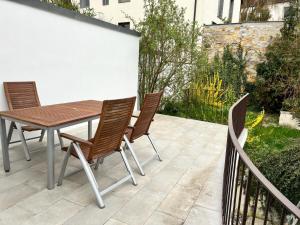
269	138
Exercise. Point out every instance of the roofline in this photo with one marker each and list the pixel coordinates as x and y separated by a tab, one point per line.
37	4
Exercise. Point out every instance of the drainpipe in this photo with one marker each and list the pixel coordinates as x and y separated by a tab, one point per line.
195	11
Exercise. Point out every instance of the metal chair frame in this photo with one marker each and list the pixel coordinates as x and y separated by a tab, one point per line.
115	118
18	126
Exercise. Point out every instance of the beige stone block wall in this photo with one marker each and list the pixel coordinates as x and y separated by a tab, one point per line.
254	37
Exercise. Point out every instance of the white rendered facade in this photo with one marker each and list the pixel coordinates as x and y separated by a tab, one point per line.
207	11
278	10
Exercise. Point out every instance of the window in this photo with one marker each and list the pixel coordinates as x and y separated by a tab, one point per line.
105	2
124	24
122	1
220	10
231	10
286	12
84	3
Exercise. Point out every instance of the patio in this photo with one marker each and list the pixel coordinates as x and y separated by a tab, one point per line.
185	188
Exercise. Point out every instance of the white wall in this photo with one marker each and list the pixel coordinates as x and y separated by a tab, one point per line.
277	11
207	10
70	60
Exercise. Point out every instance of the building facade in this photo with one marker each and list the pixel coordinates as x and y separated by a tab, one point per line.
205	12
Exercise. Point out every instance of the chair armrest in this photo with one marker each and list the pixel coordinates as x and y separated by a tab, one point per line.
137	116
76	139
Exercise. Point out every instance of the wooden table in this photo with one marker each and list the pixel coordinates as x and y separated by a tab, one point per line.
49	118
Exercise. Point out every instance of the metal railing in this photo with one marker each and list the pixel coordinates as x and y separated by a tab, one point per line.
248	197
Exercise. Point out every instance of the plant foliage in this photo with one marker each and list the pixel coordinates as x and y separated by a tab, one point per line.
69	4
167	47
255	11
278	77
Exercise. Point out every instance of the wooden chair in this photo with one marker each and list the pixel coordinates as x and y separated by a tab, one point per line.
21	95
142	124
115	118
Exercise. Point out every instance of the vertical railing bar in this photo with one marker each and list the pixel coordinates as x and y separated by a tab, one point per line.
267	209
282	217
256	200
228	183
235	191
240	196
247	198
225	180
232	181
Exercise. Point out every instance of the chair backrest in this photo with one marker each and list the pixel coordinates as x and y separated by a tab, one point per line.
20	95
114	120
148	110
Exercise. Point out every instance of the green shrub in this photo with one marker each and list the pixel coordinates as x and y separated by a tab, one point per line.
278	78
283	170
231	68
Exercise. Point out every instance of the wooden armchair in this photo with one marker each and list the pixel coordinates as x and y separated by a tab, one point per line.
21	95
142	124
115	118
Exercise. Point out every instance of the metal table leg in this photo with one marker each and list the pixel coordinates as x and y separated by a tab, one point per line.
4	145
90	129
50	158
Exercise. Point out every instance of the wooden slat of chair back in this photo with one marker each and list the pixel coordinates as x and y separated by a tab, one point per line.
148	110
20	95
115	118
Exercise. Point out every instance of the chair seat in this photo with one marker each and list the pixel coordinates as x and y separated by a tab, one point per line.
30	128
86	150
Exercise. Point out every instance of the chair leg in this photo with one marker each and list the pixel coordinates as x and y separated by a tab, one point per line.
128	167
61	142
64	166
155	149
99	161
25	147
127	144
90	175
42	135
10	132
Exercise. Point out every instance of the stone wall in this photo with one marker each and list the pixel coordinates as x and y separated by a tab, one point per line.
254	37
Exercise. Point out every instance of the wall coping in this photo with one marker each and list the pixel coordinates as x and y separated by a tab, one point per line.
37	4
232	24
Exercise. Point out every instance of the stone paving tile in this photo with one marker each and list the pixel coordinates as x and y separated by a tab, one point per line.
114	222
44	199
93	215
186	185
179	201
56	214
84	194
139	208
210	196
159	218
203	216
14	215
14	195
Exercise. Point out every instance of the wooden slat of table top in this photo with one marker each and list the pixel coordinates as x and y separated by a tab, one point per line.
58	114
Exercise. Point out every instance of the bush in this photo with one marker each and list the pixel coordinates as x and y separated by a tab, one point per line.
275	151
283	170
278	78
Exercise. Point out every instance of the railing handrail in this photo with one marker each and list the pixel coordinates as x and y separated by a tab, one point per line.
254	170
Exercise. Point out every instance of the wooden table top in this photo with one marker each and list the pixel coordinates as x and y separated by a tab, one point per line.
56	115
